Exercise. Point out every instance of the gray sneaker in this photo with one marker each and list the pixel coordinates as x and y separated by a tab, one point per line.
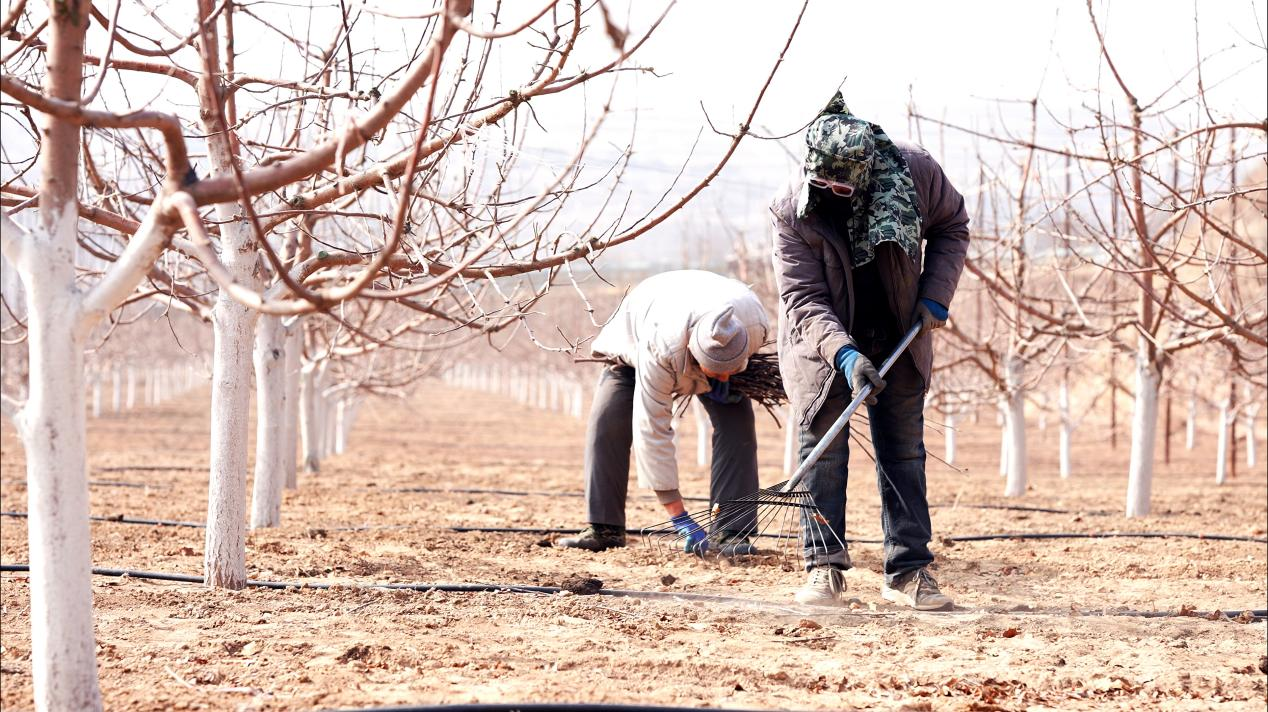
916	589
824	587
732	544
596	537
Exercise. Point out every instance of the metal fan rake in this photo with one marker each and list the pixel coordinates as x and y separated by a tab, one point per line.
773	521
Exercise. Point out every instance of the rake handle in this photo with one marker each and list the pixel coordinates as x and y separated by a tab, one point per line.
841	422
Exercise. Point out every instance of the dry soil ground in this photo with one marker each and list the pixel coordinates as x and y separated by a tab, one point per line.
1038	622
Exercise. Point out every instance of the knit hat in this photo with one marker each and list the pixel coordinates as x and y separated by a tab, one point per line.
720	342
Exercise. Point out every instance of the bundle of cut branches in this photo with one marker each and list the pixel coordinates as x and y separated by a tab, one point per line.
761	381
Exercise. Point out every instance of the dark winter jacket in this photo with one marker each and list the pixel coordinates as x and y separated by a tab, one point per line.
812	270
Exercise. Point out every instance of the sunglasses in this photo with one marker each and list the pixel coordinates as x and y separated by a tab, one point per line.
841	189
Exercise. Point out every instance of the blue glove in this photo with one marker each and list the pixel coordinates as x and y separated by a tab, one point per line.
696	539
720	392
859	371
931	314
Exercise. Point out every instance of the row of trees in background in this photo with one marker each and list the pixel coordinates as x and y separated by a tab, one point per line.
1139	236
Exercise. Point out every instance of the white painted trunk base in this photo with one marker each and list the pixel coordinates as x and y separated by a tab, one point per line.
1221	449
1015	418
704	433
1140	470
224	560
270	423
290	444
63	646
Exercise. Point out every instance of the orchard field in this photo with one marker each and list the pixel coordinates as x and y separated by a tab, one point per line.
1039	623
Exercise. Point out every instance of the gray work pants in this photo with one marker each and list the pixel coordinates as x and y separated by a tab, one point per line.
610	436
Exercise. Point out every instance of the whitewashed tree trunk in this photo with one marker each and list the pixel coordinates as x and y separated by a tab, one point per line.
52	426
343	418
310	427
1067	430
1221	449
233	327
224	562
131	401
704	432
328	419
270	423
948	451
1015	419
116	390
1251	413
96	395
1002	422
1140	472
290	445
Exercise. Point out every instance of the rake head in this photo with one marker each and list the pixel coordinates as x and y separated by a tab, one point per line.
769	524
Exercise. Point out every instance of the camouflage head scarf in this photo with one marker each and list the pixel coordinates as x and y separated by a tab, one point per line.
844	148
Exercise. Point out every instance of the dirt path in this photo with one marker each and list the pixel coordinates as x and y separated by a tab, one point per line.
1014	642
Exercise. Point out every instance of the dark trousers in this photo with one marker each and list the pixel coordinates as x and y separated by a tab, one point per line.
897	424
610	436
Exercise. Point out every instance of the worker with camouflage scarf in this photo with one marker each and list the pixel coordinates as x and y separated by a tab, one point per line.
850	237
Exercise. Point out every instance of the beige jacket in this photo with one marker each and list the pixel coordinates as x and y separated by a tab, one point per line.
650	332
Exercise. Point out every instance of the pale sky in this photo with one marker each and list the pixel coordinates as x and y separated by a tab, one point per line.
954	59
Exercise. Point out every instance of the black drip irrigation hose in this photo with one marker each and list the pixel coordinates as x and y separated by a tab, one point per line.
546	493
1257	614
533	707
952	539
507	493
96	483
120	519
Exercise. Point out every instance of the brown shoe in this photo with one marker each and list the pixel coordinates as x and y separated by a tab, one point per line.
596	537
916	589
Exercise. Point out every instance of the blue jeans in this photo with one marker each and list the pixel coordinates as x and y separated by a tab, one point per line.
897	422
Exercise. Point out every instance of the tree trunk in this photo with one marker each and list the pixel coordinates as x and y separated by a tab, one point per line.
1140	471
790	441
703	432
96	395
290	444
52	422
116	391
949	446
270	423
224	563
1251	414
63	647
310	424
1002	422
1221	449
131	400
343	420
233	326
1015	417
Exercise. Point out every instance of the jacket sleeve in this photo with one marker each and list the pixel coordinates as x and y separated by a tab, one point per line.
804	293
654	454
946	233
